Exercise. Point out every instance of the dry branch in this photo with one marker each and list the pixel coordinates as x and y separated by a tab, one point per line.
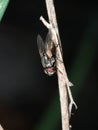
63	81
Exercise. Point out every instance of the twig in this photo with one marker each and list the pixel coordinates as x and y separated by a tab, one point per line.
64	83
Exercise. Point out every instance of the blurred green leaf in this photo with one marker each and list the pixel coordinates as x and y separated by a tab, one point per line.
3	5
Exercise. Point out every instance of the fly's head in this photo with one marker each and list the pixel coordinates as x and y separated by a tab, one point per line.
47	56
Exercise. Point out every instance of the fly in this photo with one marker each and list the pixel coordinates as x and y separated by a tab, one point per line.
47	54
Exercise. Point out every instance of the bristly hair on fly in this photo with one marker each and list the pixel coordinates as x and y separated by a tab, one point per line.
47	54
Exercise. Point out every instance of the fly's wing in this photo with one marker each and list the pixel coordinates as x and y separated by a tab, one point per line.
41	46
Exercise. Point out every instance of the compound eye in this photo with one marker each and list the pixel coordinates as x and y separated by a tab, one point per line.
45	57
52	59
46	60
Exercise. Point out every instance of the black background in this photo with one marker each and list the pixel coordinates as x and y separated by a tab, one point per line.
25	91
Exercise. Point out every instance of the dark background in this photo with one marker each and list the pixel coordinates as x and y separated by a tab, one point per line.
27	95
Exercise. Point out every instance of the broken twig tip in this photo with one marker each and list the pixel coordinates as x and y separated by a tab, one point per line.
41	17
44	22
